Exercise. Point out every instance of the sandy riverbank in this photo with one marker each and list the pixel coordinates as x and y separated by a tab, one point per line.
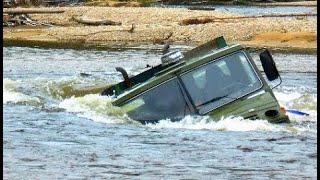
153	25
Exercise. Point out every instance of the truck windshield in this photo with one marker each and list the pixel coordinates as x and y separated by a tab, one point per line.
220	82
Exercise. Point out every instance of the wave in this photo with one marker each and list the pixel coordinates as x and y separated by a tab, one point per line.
95	107
11	94
74	97
231	123
69	87
305	102
224	124
100	109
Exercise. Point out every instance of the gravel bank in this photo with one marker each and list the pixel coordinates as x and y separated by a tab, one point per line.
153	25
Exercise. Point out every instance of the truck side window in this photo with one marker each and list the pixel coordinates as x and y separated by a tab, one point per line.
162	102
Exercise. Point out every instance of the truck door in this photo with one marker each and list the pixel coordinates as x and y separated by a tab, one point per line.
165	101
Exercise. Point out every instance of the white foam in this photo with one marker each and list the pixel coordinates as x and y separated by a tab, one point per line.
224	124
100	109
303	102
12	95
95	107
284	98
230	124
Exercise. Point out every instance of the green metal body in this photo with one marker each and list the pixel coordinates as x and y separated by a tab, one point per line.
251	106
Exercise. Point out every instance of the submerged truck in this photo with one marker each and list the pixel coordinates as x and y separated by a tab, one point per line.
212	79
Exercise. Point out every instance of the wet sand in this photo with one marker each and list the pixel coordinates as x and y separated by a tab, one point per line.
153	25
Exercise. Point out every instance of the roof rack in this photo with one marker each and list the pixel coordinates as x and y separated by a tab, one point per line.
198	51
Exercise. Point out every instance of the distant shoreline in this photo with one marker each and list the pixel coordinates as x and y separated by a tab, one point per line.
137	45
155	26
251	3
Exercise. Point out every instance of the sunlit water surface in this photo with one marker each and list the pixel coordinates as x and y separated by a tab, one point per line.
253	10
48	133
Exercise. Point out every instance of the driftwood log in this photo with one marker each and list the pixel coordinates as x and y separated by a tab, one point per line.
91	22
131	30
22	19
201	8
205	20
31	11
20	16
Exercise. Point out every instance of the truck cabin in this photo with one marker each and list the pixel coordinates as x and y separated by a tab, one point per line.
194	83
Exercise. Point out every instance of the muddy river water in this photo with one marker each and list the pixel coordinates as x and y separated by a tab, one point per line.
49	134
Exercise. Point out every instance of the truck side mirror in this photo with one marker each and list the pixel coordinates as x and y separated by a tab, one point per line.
269	65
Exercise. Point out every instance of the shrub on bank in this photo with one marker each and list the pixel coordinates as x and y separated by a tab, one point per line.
145	2
118	3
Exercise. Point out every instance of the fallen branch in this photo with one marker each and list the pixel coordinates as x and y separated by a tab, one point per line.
192	21
31	11
210	20
202	8
91	22
98	32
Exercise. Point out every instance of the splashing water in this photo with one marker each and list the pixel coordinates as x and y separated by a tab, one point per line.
11	94
95	107
305	102
224	124
100	109
76	86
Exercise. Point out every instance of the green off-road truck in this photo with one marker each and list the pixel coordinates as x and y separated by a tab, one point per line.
213	79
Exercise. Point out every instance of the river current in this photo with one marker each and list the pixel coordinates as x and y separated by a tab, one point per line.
51	132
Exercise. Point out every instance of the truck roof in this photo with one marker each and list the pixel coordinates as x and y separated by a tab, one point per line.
192	59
